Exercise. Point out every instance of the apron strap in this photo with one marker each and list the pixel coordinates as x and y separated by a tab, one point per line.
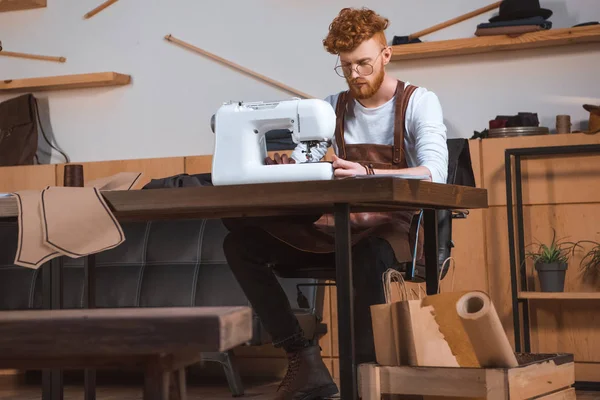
340	111
402	97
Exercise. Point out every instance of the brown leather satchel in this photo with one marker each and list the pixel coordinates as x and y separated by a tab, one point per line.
18	131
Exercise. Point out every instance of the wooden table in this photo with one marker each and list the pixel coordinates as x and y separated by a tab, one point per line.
381	193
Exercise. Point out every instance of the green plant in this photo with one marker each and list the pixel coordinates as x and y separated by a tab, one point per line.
556	252
590	263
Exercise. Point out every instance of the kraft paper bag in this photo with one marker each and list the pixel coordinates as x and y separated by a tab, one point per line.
406	331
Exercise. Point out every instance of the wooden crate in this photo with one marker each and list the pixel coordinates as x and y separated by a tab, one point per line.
539	376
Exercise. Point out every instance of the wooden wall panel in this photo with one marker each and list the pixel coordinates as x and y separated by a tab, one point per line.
198	164
151	168
27	177
468	254
571	179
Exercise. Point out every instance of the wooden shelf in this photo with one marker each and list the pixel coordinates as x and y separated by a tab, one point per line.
487	44
560	295
64	82
18	5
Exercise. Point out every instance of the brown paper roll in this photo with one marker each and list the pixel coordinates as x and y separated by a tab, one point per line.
481	322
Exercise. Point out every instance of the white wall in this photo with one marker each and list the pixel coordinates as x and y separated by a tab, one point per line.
167	109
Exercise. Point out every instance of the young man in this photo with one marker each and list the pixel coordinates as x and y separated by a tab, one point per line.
384	127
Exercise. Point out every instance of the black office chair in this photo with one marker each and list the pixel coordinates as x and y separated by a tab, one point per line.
460	172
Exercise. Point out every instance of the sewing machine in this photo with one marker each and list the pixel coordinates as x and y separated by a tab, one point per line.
240	144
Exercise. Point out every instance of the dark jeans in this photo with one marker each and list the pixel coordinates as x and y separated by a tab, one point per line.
250	251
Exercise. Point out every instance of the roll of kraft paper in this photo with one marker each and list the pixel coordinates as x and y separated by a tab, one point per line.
485	331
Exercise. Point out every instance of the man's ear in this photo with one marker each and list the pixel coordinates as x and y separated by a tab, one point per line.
387	55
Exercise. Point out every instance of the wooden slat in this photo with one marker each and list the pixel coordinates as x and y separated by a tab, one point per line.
150	168
545	377
122	332
64	82
487	44
17	5
27	177
560	295
547	180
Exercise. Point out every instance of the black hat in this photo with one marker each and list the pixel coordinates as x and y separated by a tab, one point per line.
519	9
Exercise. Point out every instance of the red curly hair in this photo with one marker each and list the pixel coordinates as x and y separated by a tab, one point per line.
352	27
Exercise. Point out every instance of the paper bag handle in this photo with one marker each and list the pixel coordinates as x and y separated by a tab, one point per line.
387	283
442	273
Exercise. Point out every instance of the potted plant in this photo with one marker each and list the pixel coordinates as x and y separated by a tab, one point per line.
551	263
590	263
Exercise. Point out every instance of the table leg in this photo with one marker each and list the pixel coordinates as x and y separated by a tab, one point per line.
89	268
345	302
52	289
431	249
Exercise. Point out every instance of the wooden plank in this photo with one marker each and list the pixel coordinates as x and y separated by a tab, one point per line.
567	394
560	295
540	378
150	168
122	332
487	44
27	177
547	180
64	82
451	382
18	5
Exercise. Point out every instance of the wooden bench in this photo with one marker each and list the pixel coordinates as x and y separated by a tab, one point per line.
161	341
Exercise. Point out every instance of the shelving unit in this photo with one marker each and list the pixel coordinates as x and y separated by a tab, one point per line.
18	5
559	295
516	246
488	44
64	82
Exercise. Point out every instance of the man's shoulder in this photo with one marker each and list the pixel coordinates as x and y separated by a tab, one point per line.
333	98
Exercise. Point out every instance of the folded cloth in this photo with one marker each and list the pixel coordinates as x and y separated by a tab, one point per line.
507	30
540	21
69	221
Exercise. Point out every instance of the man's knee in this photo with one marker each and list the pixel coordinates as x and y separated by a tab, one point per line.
372	256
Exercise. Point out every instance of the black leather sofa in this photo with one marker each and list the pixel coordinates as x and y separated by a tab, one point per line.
161	264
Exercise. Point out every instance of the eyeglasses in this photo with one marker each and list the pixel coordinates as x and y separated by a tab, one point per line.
364	69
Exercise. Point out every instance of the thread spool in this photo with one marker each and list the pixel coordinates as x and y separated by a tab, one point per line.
563	124
73	176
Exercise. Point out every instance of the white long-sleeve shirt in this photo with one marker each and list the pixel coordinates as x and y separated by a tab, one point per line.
424	137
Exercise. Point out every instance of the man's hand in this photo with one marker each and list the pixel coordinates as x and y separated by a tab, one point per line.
344	169
279	159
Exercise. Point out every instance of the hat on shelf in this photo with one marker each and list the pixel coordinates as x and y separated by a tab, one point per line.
594	121
520	9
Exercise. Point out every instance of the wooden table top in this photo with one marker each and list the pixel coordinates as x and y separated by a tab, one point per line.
380	193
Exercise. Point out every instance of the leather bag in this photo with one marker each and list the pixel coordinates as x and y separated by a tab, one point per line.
18	131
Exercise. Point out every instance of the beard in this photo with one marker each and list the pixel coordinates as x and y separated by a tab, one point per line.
367	89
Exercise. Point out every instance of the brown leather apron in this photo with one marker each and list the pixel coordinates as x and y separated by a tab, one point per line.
395	227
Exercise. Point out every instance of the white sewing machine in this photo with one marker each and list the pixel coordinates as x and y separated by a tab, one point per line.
240	145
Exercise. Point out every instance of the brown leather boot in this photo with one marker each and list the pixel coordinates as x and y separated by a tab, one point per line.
307	377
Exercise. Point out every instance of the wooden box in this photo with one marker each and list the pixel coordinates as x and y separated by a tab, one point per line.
539	376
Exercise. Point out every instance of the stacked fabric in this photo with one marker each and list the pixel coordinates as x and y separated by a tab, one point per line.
516	17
